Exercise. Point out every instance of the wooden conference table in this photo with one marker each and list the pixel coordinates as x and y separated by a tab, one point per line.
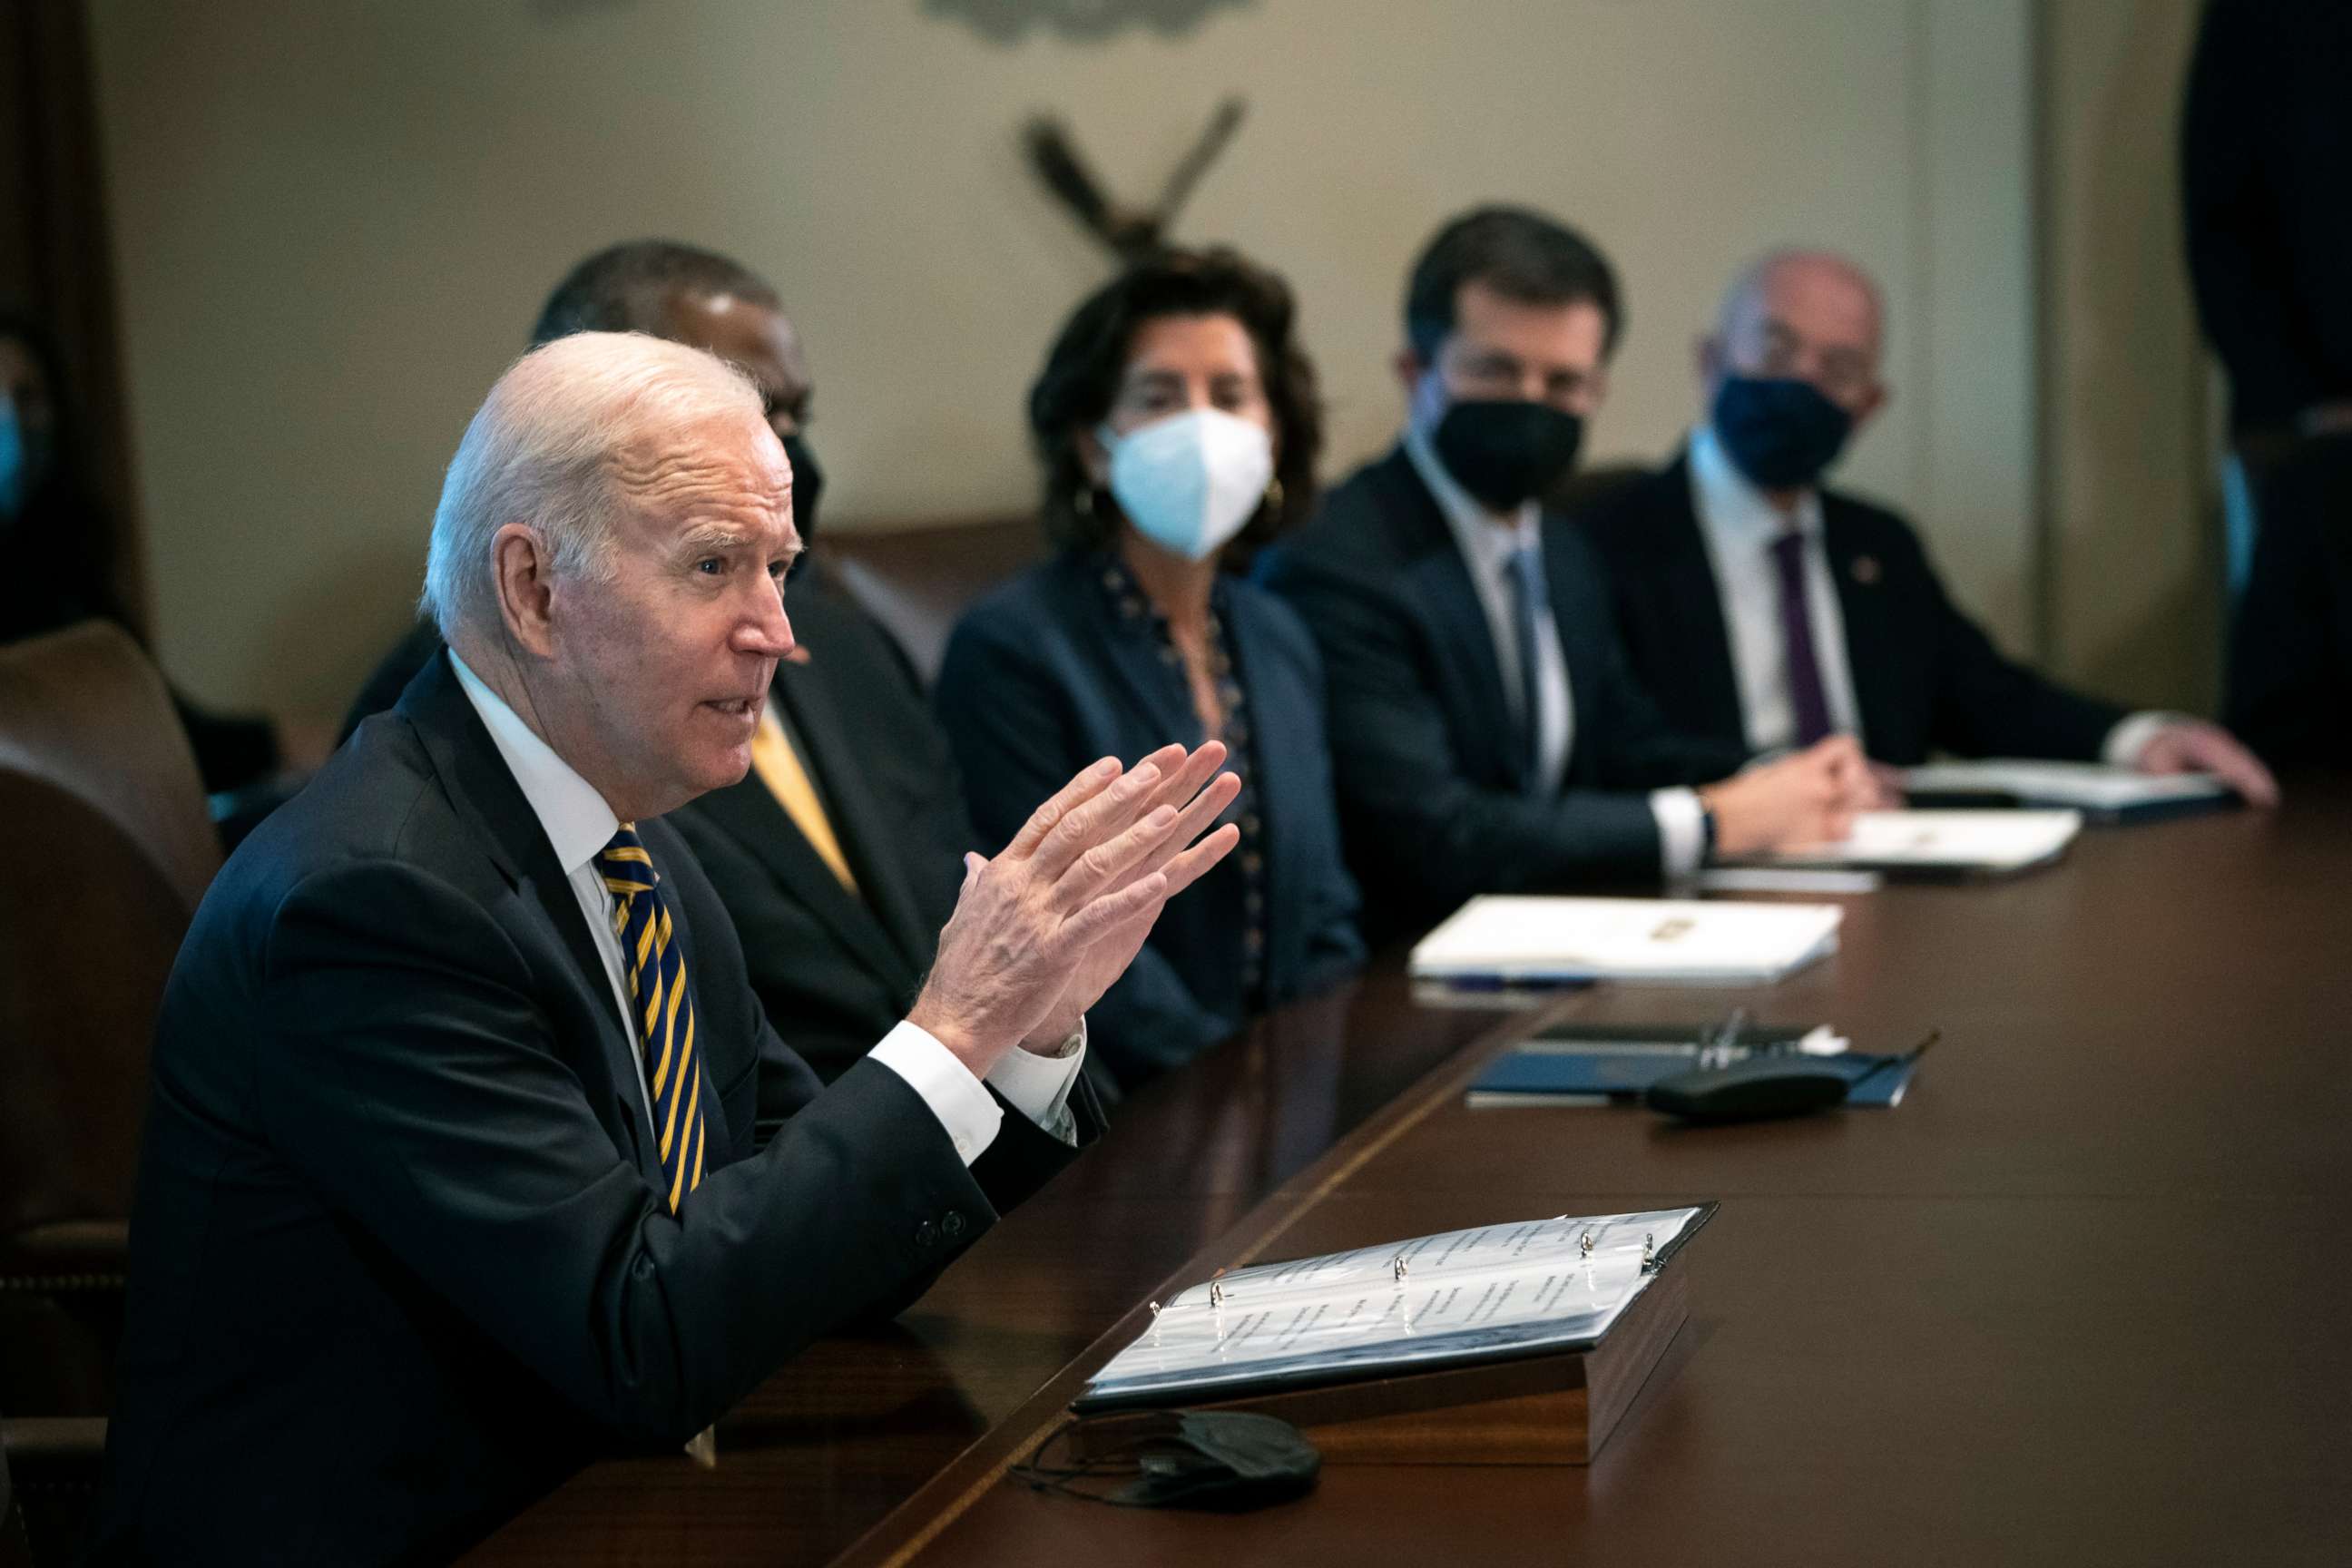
2084	1296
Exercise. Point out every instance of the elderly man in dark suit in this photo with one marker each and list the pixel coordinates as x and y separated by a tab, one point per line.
1486	733
450	1179
1761	608
839	854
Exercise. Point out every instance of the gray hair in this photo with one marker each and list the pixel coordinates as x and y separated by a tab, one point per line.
1746	287
547	448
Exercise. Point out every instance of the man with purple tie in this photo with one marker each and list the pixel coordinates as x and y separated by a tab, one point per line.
1760	607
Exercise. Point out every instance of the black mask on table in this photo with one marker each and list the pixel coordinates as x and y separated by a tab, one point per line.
1780	433
1224	1461
1505	452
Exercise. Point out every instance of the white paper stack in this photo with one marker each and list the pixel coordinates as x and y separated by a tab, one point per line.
1506	940
2083	786
1982	842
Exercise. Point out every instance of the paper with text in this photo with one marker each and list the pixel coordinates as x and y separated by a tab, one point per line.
1465	1295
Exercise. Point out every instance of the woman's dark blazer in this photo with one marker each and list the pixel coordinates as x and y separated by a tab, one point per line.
1048	674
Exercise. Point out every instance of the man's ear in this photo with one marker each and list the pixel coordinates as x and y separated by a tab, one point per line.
1708	357
1868	409
523	572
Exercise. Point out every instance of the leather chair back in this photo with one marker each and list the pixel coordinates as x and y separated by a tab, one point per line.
15	1549
918	582
55	1468
110	848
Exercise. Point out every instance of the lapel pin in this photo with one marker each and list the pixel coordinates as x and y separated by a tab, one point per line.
1865	569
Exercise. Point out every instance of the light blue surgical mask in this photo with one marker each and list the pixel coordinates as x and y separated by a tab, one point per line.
1190	481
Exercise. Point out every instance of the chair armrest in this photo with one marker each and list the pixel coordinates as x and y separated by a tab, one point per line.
66	1256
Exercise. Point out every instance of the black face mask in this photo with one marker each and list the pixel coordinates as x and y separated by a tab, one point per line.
808	486
1780	433
1505	452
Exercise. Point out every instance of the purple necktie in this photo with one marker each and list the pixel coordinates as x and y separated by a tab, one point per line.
1805	693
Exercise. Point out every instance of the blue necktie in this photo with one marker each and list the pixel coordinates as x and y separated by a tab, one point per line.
1524	570
659	1006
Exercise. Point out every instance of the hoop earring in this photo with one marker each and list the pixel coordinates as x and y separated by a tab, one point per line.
1274	494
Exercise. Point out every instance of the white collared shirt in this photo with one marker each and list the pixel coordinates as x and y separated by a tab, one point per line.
1740	527
578	823
1487	541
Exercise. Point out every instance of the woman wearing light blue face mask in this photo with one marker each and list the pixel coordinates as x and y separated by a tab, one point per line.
1177	425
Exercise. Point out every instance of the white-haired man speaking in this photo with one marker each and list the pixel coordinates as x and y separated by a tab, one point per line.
449	1180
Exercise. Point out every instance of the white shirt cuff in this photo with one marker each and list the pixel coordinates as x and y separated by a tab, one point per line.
2128	739
968	1111
1039	1087
1681	830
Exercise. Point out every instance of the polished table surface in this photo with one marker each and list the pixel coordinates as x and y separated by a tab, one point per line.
2084	1296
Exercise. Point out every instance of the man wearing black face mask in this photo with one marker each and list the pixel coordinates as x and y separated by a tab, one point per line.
839	855
1485	734
1759	607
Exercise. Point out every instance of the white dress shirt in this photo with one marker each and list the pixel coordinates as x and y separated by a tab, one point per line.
1488	540
1740	527
578	823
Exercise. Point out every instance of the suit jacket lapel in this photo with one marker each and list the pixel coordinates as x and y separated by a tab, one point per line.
1125	650
1257	668
1440	583
480	787
751	815
887	908
1871	633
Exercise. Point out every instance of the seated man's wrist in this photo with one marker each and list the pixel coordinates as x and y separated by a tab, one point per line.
959	1042
1057	1037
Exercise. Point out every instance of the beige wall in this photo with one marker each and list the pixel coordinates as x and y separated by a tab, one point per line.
2134	547
336	220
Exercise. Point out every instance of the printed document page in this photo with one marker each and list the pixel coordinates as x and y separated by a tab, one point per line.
1508	938
2094	786
1461	1295
1947	840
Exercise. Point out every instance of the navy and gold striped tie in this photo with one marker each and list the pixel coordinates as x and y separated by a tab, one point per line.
663	1009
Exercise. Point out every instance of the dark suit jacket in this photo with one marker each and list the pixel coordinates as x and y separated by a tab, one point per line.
835	970
2290	695
2265	138
1422	739
1926	678
402	1256
1044	676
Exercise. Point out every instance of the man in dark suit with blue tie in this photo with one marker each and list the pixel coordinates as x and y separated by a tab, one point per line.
839	854
1487	734
1763	609
450	1179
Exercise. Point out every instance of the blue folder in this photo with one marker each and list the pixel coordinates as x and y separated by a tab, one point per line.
1602	1067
